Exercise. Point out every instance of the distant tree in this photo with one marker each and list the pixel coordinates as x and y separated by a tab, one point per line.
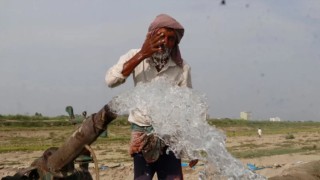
38	114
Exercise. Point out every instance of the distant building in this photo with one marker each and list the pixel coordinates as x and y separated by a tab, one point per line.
245	115
275	119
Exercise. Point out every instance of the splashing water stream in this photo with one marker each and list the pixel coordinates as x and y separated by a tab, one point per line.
178	116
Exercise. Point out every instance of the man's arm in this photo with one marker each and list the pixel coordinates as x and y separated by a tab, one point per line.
114	76
129	66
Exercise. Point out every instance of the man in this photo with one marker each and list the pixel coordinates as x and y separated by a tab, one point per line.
159	57
259	132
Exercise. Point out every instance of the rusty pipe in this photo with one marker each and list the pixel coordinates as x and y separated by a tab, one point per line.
86	134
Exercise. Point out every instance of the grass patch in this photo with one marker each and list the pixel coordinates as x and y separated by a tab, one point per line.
261	153
244	146
289	136
4	149
55	133
286	144
312	147
10	163
269	152
234	127
118	160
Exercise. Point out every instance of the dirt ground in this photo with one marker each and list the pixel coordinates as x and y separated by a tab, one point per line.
114	162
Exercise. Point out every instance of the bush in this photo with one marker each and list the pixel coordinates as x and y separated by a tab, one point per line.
289	136
121	121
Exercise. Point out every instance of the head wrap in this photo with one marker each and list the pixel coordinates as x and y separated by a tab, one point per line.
164	20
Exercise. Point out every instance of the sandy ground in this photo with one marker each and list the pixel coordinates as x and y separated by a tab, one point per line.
114	163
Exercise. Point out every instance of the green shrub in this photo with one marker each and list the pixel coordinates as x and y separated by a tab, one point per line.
289	136
121	121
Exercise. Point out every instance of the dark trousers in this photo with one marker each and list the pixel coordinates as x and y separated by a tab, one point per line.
167	167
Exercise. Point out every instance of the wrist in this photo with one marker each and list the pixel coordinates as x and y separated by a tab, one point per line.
142	55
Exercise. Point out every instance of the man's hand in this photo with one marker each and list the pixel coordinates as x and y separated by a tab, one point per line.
152	44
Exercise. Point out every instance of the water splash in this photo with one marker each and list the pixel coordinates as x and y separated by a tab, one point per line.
178	116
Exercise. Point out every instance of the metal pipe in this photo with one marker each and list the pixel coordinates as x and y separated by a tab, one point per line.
86	134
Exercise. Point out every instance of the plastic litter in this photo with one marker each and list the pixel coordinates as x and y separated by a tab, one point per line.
104	167
253	167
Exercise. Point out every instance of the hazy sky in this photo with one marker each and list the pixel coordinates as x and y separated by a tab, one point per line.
261	56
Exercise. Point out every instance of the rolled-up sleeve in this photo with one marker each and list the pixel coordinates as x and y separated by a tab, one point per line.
114	76
186	77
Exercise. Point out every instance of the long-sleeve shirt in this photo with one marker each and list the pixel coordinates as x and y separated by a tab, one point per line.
145	72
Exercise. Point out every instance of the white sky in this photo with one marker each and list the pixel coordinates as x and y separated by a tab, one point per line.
249	55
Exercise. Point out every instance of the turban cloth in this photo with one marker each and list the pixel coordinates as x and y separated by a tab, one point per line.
166	21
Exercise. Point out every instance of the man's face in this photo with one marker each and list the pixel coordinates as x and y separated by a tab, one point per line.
169	37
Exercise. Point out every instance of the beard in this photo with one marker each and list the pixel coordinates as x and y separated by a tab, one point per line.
162	55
